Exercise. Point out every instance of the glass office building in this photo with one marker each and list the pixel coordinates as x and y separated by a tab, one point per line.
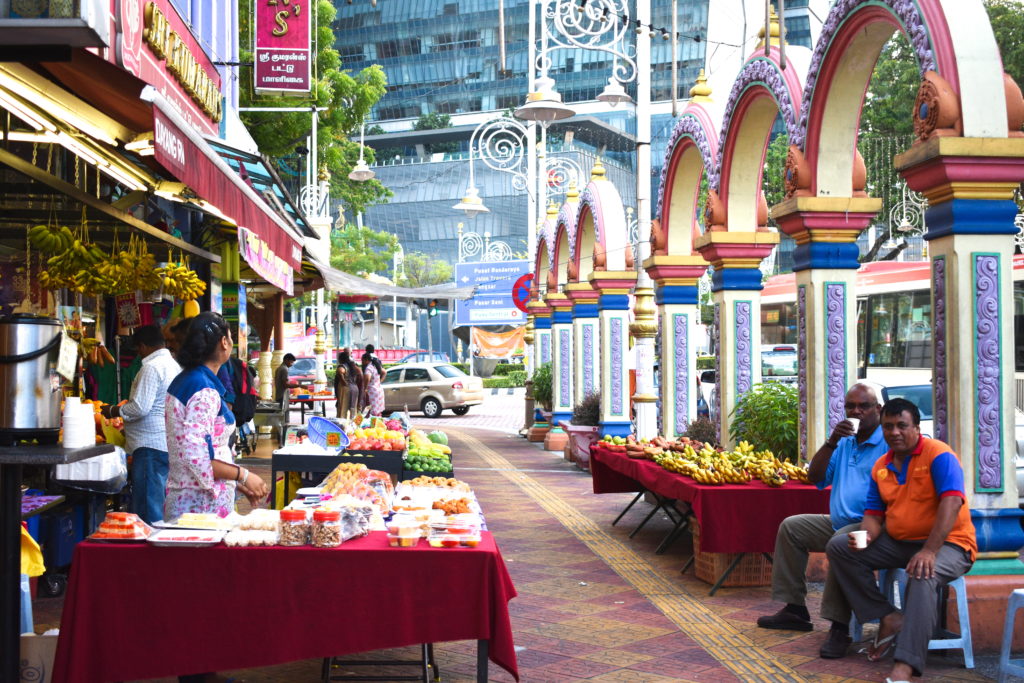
444	56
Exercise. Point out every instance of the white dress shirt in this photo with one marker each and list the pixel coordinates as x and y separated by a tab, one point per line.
143	414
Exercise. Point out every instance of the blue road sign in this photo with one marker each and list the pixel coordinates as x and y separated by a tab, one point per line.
492	304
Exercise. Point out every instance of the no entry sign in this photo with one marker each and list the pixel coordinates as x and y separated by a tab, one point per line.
521	291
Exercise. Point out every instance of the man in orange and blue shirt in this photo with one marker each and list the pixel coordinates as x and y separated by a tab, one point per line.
916	517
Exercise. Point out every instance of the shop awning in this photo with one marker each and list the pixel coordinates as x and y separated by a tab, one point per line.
346	283
186	154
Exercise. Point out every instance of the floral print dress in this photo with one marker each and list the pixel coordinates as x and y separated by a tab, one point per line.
199	426
374	392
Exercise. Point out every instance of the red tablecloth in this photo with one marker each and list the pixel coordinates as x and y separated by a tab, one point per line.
137	611
733	518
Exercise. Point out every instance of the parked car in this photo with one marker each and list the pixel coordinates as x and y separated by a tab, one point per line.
426	357
431	388
303	370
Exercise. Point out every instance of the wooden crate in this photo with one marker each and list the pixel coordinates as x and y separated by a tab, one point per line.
753	570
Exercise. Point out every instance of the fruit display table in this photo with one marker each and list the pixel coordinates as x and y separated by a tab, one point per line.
310	403
733	518
282	462
389	597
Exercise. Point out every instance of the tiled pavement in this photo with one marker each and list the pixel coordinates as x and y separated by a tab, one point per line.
596	605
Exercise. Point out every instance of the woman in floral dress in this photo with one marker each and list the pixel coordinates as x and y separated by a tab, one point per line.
201	477
372	373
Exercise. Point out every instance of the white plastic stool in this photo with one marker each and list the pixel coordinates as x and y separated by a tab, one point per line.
1009	666
952	641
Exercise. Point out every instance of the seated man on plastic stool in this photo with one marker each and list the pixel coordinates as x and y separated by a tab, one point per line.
843	462
917	490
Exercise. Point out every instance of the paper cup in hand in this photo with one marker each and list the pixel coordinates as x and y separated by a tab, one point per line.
860	538
855	421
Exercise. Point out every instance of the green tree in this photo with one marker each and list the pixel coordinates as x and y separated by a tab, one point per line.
362	250
348	100
773	181
435	121
1007	19
420	270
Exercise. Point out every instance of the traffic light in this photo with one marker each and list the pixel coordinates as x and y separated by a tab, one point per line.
432	308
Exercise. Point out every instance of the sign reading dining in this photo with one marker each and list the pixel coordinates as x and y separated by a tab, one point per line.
282	46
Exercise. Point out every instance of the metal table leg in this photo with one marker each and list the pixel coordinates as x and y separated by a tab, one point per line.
728	570
662	504
631	504
482	647
682	525
10	563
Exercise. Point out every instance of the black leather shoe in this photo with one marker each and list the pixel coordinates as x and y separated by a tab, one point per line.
836	645
784	620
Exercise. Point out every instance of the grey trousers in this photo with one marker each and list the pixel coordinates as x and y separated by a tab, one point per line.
855	571
798	536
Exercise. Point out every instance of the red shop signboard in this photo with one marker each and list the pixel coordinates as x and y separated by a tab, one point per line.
156	45
282	46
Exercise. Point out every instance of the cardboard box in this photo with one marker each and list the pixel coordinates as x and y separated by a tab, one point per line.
37	653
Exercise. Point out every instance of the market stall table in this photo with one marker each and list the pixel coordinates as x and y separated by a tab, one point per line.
733	518
310	403
385	461
129	614
12	460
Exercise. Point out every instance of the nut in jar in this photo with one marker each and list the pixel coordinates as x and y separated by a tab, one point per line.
326	528
294	529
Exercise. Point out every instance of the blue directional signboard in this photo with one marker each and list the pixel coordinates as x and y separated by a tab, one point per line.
492	304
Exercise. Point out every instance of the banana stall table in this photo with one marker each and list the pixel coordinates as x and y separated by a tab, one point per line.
130	614
733	518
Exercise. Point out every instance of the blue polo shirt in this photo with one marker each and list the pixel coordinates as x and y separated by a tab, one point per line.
849	475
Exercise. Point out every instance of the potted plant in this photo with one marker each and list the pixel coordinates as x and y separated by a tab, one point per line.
583	428
767	416
542	397
542	389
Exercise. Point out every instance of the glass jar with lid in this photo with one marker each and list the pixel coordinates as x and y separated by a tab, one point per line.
294	528
326	528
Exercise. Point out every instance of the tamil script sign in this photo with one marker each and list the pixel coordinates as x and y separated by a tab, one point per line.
282	51
492	304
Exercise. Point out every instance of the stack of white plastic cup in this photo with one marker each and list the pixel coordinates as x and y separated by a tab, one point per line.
79	424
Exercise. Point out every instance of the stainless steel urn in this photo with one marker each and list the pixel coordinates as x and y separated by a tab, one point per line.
29	384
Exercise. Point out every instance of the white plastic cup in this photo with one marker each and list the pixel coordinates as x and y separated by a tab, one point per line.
855	421
70	401
860	538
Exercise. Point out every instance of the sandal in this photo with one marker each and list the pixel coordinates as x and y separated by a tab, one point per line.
880	648
889	680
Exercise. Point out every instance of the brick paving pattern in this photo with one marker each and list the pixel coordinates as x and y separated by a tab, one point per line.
594	604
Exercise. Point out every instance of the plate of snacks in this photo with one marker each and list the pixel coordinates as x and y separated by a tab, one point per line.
185	538
125	527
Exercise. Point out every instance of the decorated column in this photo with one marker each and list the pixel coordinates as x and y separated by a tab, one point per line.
969	184
613	312
736	287
678	305
825	261
528	362
586	333
541	354
561	369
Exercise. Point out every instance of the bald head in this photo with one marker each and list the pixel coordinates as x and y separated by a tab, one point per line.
864	403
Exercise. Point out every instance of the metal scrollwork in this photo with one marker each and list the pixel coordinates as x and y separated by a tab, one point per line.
501	144
599	25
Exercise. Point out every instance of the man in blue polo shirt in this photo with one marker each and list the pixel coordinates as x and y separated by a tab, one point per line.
843	462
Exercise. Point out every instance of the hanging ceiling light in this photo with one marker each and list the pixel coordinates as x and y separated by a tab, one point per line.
614	93
361	172
544	105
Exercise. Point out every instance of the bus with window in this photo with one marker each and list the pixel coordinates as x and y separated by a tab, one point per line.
894	321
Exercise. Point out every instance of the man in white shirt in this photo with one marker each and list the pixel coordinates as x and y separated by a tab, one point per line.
143	416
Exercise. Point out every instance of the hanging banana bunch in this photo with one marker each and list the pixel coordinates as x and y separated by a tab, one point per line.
94	352
180	281
51	239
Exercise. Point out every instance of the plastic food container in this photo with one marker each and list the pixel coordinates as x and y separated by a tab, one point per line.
402	541
326	528
295	528
444	539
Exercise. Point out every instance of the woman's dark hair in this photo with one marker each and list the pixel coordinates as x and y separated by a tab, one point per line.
376	363
202	339
343	357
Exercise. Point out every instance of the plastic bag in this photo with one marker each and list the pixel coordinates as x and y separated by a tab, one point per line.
107	473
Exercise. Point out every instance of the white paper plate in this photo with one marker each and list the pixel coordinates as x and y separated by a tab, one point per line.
309	491
185	538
